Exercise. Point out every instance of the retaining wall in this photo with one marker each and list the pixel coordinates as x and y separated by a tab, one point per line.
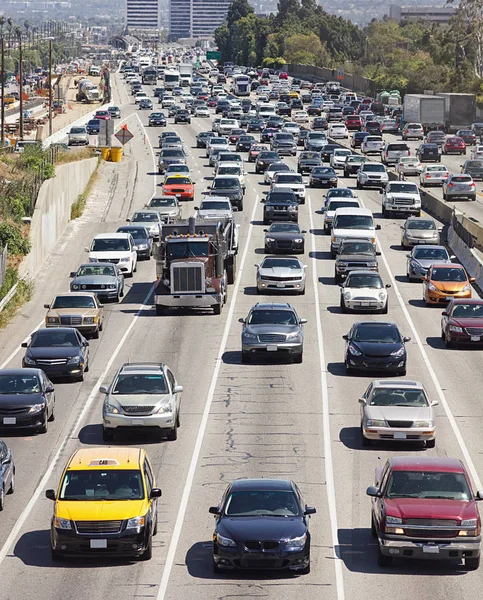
356	83
53	209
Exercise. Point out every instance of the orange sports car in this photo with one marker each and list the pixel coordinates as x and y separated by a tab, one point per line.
443	282
180	186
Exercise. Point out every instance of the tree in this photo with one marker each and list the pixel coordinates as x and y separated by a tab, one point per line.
306	49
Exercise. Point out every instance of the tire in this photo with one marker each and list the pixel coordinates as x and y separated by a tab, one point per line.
178	419
52	415
173	433
159	309
382	560
430	443
2	499
343	307
95	335
148	553
402	373
231	271
245	357
385	309
373	528
447	342
305	570
299	358
217	309
359	187
107	434
216	569
155	529
472	564
45	426
444	196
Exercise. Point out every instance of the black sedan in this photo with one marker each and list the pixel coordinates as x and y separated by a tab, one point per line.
267	134
265	159
314	110
203	137
308	161
285	237
59	352
157	119
255	125
182	116
469	136
357	138
145	104
262	524
27	399
320	123
375	346
244	143
323	177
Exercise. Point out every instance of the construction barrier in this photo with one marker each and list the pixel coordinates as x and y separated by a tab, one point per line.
106	153
116	154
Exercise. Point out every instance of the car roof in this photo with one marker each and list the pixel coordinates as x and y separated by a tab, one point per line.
272	306
448	265
142	367
353	211
111	236
20	371
426	463
91	294
363	272
118	458
467	301
397	383
370	323
262	484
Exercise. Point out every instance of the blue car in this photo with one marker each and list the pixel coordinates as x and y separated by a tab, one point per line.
93	126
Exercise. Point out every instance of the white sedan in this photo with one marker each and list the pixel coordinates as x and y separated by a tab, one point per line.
301	116
338	131
337	158
365	291
408	165
477	153
202	111
433	175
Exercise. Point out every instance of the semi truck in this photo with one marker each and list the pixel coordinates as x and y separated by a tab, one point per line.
459	111
87	91
195	262
186	73
149	76
425	109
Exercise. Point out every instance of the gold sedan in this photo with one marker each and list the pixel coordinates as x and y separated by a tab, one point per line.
81	310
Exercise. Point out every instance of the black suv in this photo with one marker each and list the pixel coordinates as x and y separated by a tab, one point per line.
354	255
280	206
428	153
182	116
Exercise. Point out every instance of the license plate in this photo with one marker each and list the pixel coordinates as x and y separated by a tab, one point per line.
178	195
13	420
280	285
474	338
98	543
137	422
431	549
449	297
399	435
272	348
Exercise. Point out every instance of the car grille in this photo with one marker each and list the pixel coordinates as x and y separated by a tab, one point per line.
17	410
187	279
261	564
94	286
400	423
403	201
432	533
284	244
113	261
98	526
71	320
364	299
267	338
254	545
135	409
51	361
178	190
432	522
474	330
358	265
273	278
448	293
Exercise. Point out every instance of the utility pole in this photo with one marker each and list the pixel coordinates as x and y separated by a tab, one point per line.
3	93
50	87
21	86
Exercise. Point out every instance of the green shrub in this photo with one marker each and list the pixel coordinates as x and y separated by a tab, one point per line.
10	234
11	278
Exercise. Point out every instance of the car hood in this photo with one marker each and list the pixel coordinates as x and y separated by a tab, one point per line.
228	191
53	352
475	322
367	234
261	528
102	510
403	195
94	280
422	234
281	272
430	508
366	292
103	256
11	400
291	186
449	286
140	399
427	262
85	312
285	235
214	214
377	348
270	328
399	413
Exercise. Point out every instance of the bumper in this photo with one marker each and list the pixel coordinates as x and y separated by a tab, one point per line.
282	216
323	183
437	298
159	421
369	363
413	242
188	301
295	286
25	421
286	151
365	304
342	272
392	545
405	209
373	183
465	338
121	544
61	371
452	195
233	558
287	249
294	349
397	434
82	328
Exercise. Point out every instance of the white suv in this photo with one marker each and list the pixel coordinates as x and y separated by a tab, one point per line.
372	144
115	248
412	130
372	174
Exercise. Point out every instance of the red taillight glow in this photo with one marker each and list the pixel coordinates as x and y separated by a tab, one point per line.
428	176
450	184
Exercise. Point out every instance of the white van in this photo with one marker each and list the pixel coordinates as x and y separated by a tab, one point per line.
352	223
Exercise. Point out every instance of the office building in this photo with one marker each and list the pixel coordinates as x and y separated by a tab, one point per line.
434	14
196	18
142	14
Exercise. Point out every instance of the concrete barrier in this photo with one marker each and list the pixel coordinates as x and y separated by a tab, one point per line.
53	209
357	83
467	257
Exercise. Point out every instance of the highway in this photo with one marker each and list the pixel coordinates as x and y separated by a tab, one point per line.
260	420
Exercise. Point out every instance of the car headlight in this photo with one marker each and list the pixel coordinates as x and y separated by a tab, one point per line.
74	286
249	336
382	295
298	240
347	295
423	424
469	523
456	329
333	239
376	423
292	209
62	523
73	360
165	409
398	353
90	319
225	542
112	286
29	361
393	520
467	288
36	408
270	240
354	351
53	320
111	409
142	246
296	543
136	523
125	259
293	336
432	287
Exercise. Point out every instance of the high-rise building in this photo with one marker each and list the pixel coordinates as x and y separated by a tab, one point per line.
196	18
142	14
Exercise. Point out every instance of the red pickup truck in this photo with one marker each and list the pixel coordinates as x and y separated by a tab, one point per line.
425	508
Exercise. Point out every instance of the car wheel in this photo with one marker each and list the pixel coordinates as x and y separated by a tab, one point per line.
385	309
159	310
52	415
148	553
472	564
343	307
359	186
473	198
45	426
444	196
402	373
430	443
447	341
373	528
107	434
382	560
173	433
217	309
95	335
245	357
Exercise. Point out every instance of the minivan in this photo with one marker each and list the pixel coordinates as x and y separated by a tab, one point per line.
352	223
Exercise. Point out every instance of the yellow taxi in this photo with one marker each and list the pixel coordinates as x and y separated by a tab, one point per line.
293	94
443	282
105	504
180	186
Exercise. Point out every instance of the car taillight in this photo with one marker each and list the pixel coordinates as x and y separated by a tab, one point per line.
407	131
428	176
450	184
472	184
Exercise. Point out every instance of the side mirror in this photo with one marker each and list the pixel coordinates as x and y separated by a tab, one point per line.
373	491
435	403
24	345
479	495
50	494
265	230
197	208
86	249
46	305
378	227
452	257
73	274
387	286
310	510
406	339
381	191
424	278
103	389
49	389
408	256
345	337
302	321
362	401
86	343
178	389
444	313
242	320
214	510
155	493
472	279
136	247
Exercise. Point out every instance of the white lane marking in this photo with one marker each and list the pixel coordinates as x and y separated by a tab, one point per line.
73	432
173	545
434	378
328	461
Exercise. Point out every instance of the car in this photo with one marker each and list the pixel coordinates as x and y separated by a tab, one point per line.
468	136
235	169
391	153
177	169
81	310
423	257
433	175
255	125
203	137
262	518
102	278
477	153
93	126
353	123
141	396
315	141
462	322
435	137
443	282
167	101
228	186
389	126
320	124
182	116
373	127
114	111
338	131
145	104
323	177
280	206
244	143
255	150
105	505
372	144
284	237
115	248
413	131
157	119
357	138
288	180
375	346
62	352
398	411
102	115
327	151
300	116
409	496
293	128
354	255
214	208
419	230
202	112
401	197
172	135
284	143
307	161
267	134
167	206
273	329
474	168
27	401
142	240
269	161
428	153
180	185
459	186
338	157
220	143
372	174
78	136
150	219
363	291
170	156
280	274
477	128
454	145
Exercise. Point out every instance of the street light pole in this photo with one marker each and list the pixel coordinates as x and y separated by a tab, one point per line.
50	88
21	86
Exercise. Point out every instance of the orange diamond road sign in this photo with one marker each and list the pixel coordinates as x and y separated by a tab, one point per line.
124	135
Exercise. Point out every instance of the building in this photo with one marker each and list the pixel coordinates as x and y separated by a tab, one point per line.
196	18
435	14
142	14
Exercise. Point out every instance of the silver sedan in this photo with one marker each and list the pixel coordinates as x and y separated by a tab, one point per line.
433	175
281	274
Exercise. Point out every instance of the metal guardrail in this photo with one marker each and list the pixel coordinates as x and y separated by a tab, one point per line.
3	264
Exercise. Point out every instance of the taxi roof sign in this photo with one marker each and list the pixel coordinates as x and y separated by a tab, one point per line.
104	462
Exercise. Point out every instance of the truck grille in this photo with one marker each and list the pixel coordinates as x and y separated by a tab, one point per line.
187	278
144	409
98	526
267	338
400	423
71	320
403	201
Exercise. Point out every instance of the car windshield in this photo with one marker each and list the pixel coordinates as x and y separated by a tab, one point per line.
270	503
133	384
316	136
475	163
145	217
94	270
340	193
226	183
230	158
19	384
268	155
78	130
71	301
376	333
430	254
177	181
97	484
354	222
46	338
284	228
398	397
228	170
323	171
172	153
408	188
448	274
110	245
428	484
436	168
468	311
287	263
281	198
185	248
162	202
215	205
349	247
137	233
366	280
335	204
272	317
288	179
425	225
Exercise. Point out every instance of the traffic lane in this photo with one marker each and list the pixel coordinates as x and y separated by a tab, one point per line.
355	465
263	423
